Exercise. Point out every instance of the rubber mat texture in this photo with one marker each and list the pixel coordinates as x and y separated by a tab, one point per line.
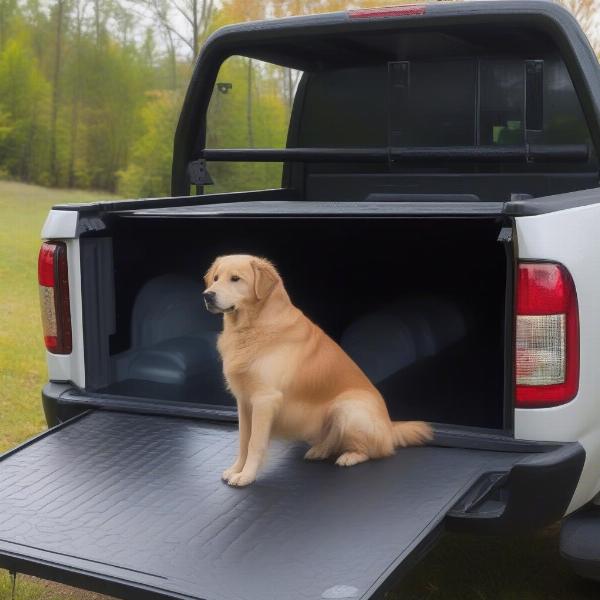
139	498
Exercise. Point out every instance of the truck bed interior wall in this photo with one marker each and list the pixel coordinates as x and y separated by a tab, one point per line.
419	304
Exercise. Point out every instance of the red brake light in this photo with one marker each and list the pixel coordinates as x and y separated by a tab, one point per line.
53	277
405	10
547	336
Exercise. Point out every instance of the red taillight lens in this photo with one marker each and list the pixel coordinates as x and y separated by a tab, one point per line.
53	277
547	336
405	10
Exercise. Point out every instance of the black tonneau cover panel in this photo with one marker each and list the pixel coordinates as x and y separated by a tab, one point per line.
133	505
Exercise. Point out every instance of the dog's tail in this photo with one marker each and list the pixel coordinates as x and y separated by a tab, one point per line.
411	433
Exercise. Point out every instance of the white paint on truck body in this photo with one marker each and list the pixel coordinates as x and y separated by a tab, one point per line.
571	237
61	225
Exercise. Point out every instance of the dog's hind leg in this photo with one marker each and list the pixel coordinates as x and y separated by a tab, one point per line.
364	432
317	452
328	443
347	459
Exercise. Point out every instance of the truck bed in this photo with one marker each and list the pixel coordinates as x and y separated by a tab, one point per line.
133	505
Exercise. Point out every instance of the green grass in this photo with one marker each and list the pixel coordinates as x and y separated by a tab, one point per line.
31	588
459	568
23	209
526	567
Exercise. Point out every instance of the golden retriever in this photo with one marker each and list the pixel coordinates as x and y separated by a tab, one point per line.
290	379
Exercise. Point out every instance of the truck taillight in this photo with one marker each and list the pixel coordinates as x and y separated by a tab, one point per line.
404	10
547	336
53	277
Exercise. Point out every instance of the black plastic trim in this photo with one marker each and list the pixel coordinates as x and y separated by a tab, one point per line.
146	406
548	204
536	492
525	153
98	308
293	175
508	237
169	202
74	400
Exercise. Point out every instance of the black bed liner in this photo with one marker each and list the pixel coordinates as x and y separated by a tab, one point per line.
133	505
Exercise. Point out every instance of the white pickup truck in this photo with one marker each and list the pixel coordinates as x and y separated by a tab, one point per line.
445	159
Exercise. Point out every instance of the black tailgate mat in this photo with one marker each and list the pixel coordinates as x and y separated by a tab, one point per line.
119	502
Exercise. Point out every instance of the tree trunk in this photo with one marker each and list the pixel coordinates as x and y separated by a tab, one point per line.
7	10
249	106
56	91
75	104
3	19
195	27
97	20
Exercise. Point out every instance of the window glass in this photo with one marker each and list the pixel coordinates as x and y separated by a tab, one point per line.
250	107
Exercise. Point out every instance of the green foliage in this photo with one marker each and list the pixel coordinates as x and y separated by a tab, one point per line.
24	97
149	170
237	119
68	96
82	108
90	95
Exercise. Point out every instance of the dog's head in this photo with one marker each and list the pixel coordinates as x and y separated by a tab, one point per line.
238	281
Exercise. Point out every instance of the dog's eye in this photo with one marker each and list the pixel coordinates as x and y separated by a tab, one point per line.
216	278
235	278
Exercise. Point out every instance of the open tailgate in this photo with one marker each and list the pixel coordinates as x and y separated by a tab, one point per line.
133	505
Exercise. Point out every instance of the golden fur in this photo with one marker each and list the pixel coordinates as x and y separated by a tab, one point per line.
290	379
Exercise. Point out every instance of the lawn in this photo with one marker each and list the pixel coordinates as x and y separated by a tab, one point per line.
459	568
23	209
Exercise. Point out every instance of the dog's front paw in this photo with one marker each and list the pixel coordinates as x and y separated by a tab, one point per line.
241	479
228	473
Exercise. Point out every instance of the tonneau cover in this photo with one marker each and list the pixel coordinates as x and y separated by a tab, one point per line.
133	505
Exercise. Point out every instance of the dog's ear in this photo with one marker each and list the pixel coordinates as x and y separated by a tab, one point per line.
209	275
265	277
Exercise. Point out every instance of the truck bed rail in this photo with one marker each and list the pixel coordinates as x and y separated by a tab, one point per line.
523	153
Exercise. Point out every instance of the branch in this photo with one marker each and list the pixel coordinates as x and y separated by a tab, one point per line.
183	13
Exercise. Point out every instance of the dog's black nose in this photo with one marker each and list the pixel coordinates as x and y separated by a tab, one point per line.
209	296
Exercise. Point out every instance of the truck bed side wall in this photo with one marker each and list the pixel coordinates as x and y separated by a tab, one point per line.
62	225
571	238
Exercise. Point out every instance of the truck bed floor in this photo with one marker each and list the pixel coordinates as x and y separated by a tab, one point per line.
133	506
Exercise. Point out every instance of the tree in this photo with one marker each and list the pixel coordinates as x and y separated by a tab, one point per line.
59	17
149	171
586	12
196	14
8	9
24	94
